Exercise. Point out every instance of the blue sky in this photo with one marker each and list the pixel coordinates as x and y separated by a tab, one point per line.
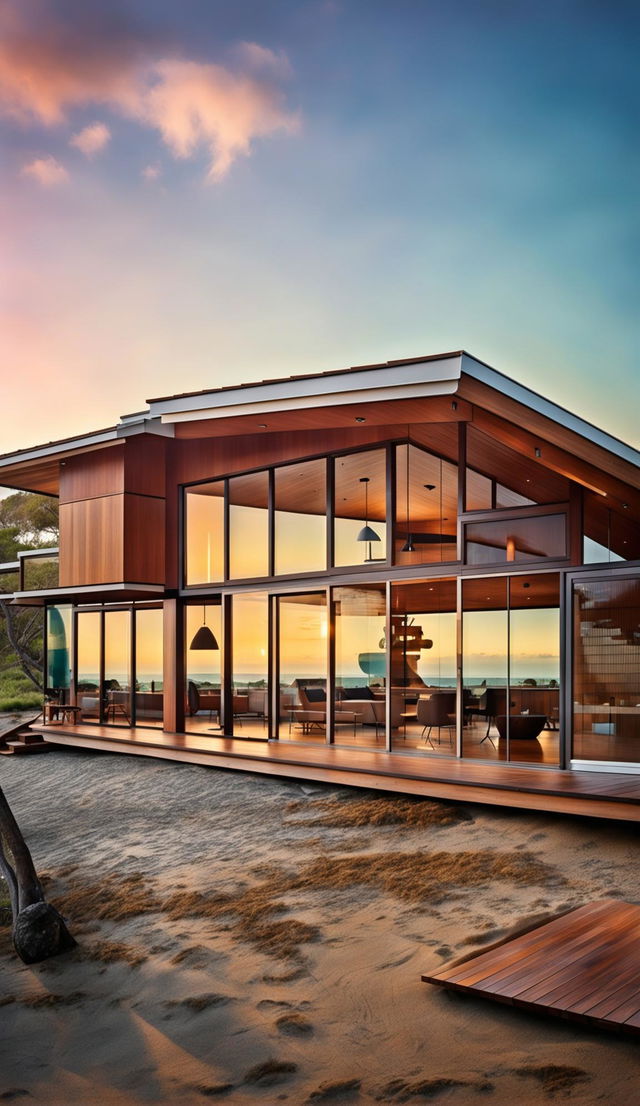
364	182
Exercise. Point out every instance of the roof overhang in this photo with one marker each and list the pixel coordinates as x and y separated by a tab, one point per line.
88	593
400	380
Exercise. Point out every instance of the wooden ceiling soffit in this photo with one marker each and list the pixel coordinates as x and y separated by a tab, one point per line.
42	475
432	409
573	448
603	483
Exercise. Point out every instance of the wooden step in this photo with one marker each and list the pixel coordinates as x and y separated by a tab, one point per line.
19	748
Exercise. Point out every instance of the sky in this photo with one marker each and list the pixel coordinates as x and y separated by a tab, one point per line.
202	193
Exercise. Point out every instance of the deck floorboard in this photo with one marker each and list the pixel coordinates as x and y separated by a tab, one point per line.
595	794
583	966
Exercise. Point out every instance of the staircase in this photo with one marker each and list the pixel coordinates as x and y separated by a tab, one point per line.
22	740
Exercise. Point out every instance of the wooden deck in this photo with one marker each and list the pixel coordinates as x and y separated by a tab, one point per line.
593	794
583	966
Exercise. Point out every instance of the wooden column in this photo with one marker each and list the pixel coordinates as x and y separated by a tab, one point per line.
173	666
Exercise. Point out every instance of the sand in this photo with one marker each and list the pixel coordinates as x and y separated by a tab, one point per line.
253	940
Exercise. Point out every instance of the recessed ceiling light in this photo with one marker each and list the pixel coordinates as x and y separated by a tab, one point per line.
359	418
429	487
262	425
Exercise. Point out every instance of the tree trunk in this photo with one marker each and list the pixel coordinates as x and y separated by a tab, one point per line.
38	930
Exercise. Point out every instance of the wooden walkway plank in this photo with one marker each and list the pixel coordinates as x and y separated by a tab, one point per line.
592	794
582	966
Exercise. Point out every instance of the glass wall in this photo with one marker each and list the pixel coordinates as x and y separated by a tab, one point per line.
608	535
511	668
519	540
606	672
300	518
360	532
204	533
203	667
426	507
423	666
360	665
301	629
149	666
88	673
117	667
249	526
59	647
250	660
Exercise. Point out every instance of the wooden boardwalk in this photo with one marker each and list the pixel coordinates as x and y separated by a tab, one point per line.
594	794
583	966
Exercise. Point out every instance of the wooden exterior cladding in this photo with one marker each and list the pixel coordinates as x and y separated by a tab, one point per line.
112	515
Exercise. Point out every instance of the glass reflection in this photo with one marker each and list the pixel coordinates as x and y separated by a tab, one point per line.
204	533
360	651
302	655
360	532
426	507
249	526
250	664
149	666
117	667
300	518
88	665
203	669
423	667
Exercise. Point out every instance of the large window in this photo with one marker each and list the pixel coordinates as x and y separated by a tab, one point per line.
360	532
89	664
426	507
606	673
117	667
360	652
250	660
300	518
516	539
609	535
149	666
423	666
302	628
249	526
203	638
511	668
204	533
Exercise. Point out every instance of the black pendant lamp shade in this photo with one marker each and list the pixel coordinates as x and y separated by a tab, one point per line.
204	638
367	533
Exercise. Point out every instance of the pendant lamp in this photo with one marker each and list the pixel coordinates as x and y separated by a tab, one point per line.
204	638
367	533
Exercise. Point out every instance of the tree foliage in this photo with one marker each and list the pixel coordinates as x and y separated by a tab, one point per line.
27	521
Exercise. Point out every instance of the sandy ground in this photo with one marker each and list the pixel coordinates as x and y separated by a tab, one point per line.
235	947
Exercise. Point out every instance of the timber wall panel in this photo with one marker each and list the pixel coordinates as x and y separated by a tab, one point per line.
92	541
92	474
144	539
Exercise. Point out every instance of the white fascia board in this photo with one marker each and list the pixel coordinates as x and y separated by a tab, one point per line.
426	378
58	448
536	402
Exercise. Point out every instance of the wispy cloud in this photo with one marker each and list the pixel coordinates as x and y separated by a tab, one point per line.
151	172
48	69
92	139
46	171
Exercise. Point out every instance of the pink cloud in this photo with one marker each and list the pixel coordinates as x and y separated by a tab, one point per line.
92	139
46	171
47	70
151	172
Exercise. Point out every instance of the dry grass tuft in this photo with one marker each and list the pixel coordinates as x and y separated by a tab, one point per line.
338	1089
198	1003
399	1090
377	811
114	898
47	998
555	1078
111	952
417	876
294	1025
269	1072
